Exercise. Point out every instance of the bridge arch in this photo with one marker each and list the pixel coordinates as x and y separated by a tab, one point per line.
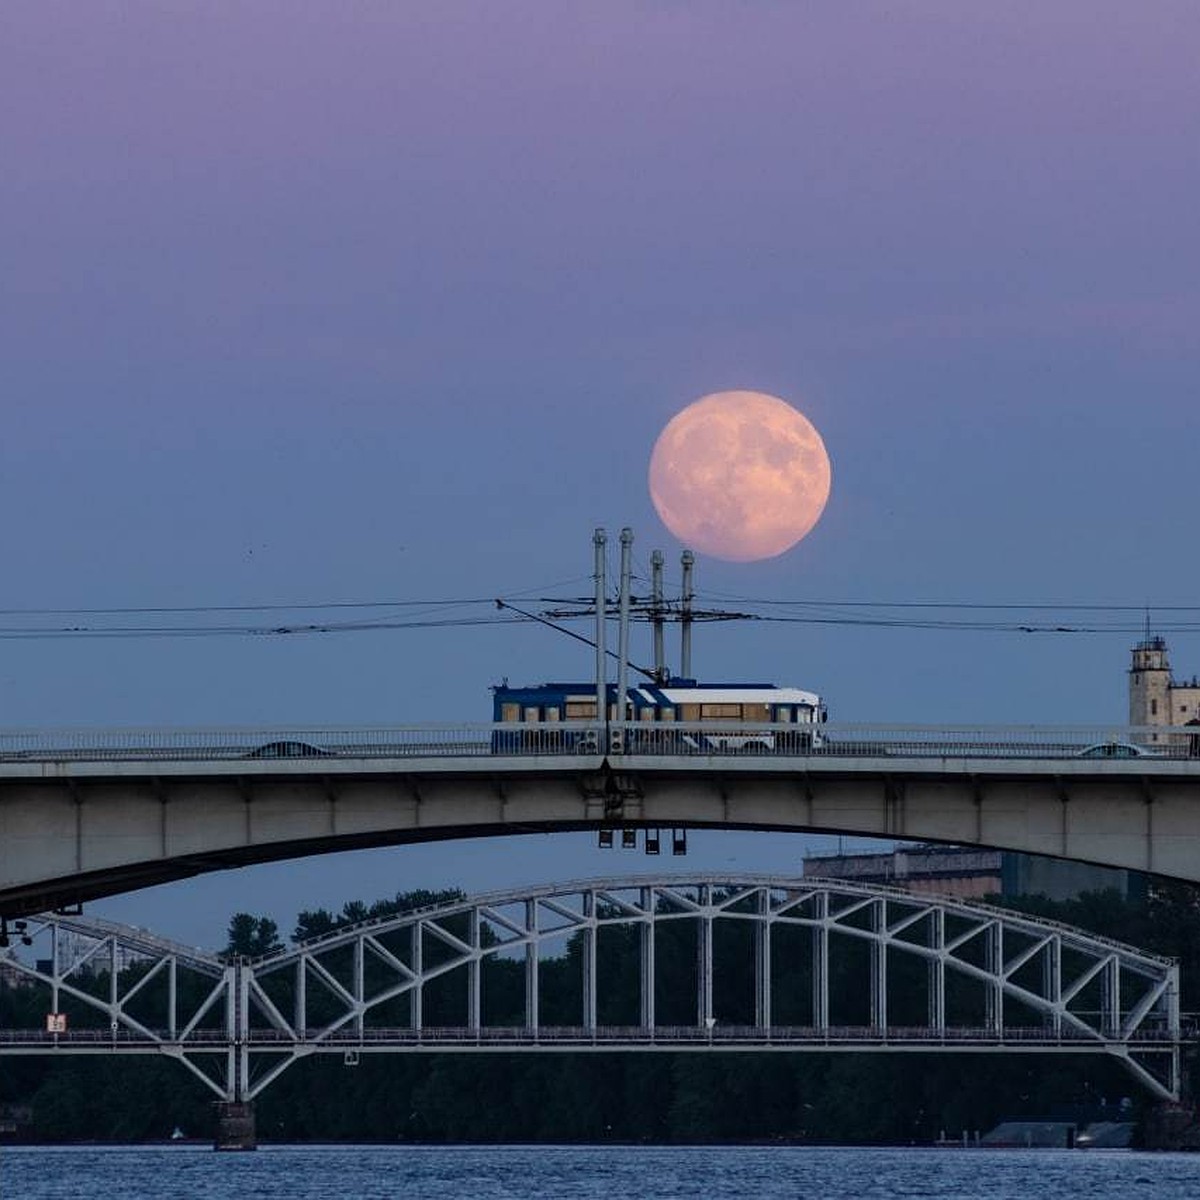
107	814
986	980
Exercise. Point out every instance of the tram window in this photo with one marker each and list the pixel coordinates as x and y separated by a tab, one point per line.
783	713
756	712
646	714
533	713
666	714
552	712
510	712
720	712
580	710
691	712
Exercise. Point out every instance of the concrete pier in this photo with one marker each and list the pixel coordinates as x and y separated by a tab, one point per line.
235	1126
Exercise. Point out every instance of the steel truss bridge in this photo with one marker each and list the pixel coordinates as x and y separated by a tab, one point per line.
777	964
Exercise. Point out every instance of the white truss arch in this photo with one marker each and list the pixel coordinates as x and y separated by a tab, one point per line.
780	963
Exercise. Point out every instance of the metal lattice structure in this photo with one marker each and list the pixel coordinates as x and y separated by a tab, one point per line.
769	964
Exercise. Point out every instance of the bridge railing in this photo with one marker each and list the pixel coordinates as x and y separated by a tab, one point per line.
578	1034
571	738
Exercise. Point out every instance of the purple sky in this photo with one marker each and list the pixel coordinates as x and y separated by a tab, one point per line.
365	301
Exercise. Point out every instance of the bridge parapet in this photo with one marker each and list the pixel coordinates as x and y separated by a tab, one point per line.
267	747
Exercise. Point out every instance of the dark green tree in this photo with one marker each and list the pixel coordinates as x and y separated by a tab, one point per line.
249	936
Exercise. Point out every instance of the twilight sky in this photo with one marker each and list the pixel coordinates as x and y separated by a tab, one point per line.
357	301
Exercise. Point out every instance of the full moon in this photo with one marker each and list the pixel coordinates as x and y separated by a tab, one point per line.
740	476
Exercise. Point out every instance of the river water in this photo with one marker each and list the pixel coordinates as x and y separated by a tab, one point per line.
586	1172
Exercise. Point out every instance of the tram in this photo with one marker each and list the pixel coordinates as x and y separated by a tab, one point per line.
678	716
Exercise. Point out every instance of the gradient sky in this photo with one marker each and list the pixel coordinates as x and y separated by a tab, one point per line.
358	301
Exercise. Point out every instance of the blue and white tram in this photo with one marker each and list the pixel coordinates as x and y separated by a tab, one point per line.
677	716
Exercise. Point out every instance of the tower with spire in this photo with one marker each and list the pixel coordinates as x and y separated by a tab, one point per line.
1156	698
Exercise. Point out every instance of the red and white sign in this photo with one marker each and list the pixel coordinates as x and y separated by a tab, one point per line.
56	1022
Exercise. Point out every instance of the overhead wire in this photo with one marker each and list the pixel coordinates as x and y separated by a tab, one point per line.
454	612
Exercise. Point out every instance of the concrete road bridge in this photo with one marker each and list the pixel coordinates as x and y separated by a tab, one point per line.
89	814
780	964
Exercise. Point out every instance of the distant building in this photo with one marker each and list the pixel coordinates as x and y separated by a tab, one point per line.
11	975
969	872
1156	699
1155	696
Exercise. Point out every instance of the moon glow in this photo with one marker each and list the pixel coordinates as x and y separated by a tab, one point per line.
740	476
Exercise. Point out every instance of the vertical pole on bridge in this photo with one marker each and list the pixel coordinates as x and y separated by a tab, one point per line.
820	964
1052	981
685	620
1110	997
937	972
599	540
300	1021
589	961
55	966
994	949
656	616
416	994
704	960
623	637
647	960
762	961
112	982
474	971
879	965
359	987
531	968
172	998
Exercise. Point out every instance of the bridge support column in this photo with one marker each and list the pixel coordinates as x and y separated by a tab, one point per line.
235	1125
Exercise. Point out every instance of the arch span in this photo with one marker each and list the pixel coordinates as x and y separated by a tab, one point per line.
779	964
76	828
